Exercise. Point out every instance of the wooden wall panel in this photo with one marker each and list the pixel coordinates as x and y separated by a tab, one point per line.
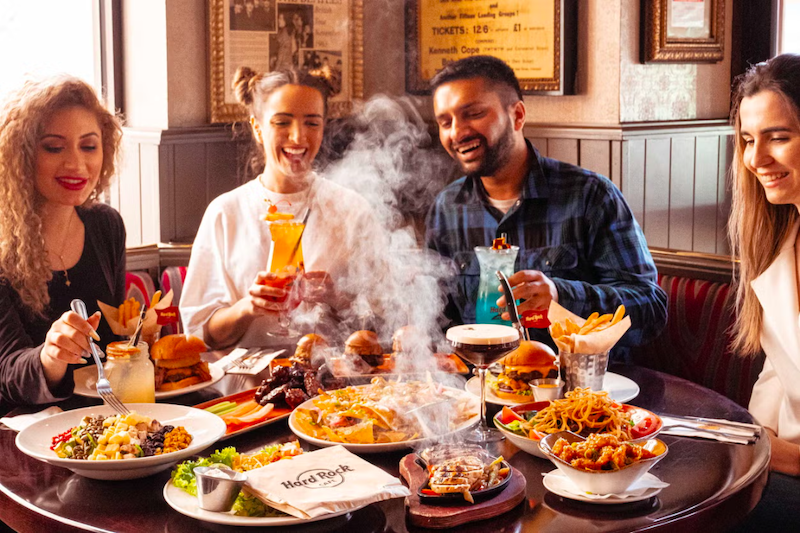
130	204
222	169
705	194
191	190
595	156
541	144
616	163
681	193
150	194
633	156
563	149
726	150
656	191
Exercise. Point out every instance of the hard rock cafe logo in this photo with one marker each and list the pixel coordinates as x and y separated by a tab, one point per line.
319	478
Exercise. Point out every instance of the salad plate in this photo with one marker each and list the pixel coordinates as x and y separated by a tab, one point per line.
186	504
204	427
86	380
619	388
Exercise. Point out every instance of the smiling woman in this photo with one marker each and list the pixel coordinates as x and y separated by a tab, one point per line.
57	154
235	292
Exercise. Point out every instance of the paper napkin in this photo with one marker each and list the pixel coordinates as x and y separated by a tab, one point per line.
20	422
639	487
733	435
260	357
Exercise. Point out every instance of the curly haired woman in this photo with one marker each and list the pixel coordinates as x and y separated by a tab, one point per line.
58	148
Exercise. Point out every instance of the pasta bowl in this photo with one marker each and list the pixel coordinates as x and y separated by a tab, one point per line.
602	481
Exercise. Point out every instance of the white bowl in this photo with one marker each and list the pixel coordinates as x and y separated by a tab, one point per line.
602	481
204	427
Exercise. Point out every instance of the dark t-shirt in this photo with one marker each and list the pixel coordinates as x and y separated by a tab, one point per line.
98	275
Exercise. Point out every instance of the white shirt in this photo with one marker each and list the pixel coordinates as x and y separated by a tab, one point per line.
233	242
775	402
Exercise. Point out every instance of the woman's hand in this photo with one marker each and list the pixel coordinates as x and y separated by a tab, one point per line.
65	343
785	455
532	287
269	293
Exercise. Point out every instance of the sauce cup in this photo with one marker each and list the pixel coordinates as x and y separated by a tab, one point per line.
218	487
546	389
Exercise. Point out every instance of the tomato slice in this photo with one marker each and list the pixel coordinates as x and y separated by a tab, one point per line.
507	416
643	428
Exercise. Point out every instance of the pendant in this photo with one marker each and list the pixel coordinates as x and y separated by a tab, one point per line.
68	283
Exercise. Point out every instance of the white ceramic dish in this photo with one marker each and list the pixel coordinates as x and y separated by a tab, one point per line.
557	483
601	482
619	388
186	504
531	446
375	448
86	378
204	427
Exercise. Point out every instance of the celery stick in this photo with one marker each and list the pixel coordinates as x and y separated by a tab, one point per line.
226	410
222	406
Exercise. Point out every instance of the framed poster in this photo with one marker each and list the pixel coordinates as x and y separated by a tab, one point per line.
535	37
683	31
266	35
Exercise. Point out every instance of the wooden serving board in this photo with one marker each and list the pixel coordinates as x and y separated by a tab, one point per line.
450	515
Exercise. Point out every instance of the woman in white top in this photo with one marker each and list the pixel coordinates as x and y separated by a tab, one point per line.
224	300
764	224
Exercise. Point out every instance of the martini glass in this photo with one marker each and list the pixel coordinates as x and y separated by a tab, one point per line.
482	345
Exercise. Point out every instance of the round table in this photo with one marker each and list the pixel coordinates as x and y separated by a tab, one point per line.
712	485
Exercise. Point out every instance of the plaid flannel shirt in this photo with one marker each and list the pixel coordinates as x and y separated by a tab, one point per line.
569	223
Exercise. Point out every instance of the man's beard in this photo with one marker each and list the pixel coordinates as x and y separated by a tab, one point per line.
495	157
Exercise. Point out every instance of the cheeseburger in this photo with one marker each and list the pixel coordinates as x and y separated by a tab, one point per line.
178	364
365	345
532	360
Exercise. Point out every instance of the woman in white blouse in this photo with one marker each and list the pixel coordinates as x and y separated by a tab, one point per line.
224	299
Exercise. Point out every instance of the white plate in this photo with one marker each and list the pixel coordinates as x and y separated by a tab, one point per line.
204	427
620	388
556	483
374	448
86	378
186	504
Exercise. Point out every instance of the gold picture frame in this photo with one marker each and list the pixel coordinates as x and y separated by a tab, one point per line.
265	34
537	38
683	31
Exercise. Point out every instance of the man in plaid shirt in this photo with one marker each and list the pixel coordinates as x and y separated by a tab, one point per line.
578	241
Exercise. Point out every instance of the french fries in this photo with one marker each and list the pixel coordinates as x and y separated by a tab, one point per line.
127	310
562	332
156	299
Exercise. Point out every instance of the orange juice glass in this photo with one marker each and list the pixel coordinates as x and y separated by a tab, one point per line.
285	236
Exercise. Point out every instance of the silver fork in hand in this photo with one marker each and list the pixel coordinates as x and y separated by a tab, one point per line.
103	386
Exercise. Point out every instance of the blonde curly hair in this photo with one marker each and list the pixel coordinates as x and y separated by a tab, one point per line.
23	257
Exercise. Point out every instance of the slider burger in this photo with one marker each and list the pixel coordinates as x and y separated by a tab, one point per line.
532	360
365	344
177	361
307	346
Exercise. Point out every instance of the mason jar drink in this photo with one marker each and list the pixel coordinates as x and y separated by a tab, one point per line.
130	372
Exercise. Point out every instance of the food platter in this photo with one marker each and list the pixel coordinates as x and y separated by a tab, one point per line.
619	388
447	363
278	413
187	504
204	427
450	392
86	378
531	446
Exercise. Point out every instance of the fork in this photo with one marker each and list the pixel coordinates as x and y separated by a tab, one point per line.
250	361
103	386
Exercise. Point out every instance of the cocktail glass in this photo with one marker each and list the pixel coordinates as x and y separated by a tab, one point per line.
482	345
286	262
491	260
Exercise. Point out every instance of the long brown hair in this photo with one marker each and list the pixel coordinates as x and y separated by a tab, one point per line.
252	90
757	228
23	117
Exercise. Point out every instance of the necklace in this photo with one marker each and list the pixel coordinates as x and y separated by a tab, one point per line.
61	254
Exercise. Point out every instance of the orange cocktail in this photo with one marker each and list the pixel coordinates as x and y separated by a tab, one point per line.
286	250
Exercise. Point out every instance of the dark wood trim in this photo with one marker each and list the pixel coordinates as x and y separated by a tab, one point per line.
694	265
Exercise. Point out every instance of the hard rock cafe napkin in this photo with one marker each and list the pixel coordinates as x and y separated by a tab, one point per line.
594	342
20	422
321	482
260	359
639	487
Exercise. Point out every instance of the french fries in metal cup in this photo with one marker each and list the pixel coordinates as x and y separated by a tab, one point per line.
584	344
